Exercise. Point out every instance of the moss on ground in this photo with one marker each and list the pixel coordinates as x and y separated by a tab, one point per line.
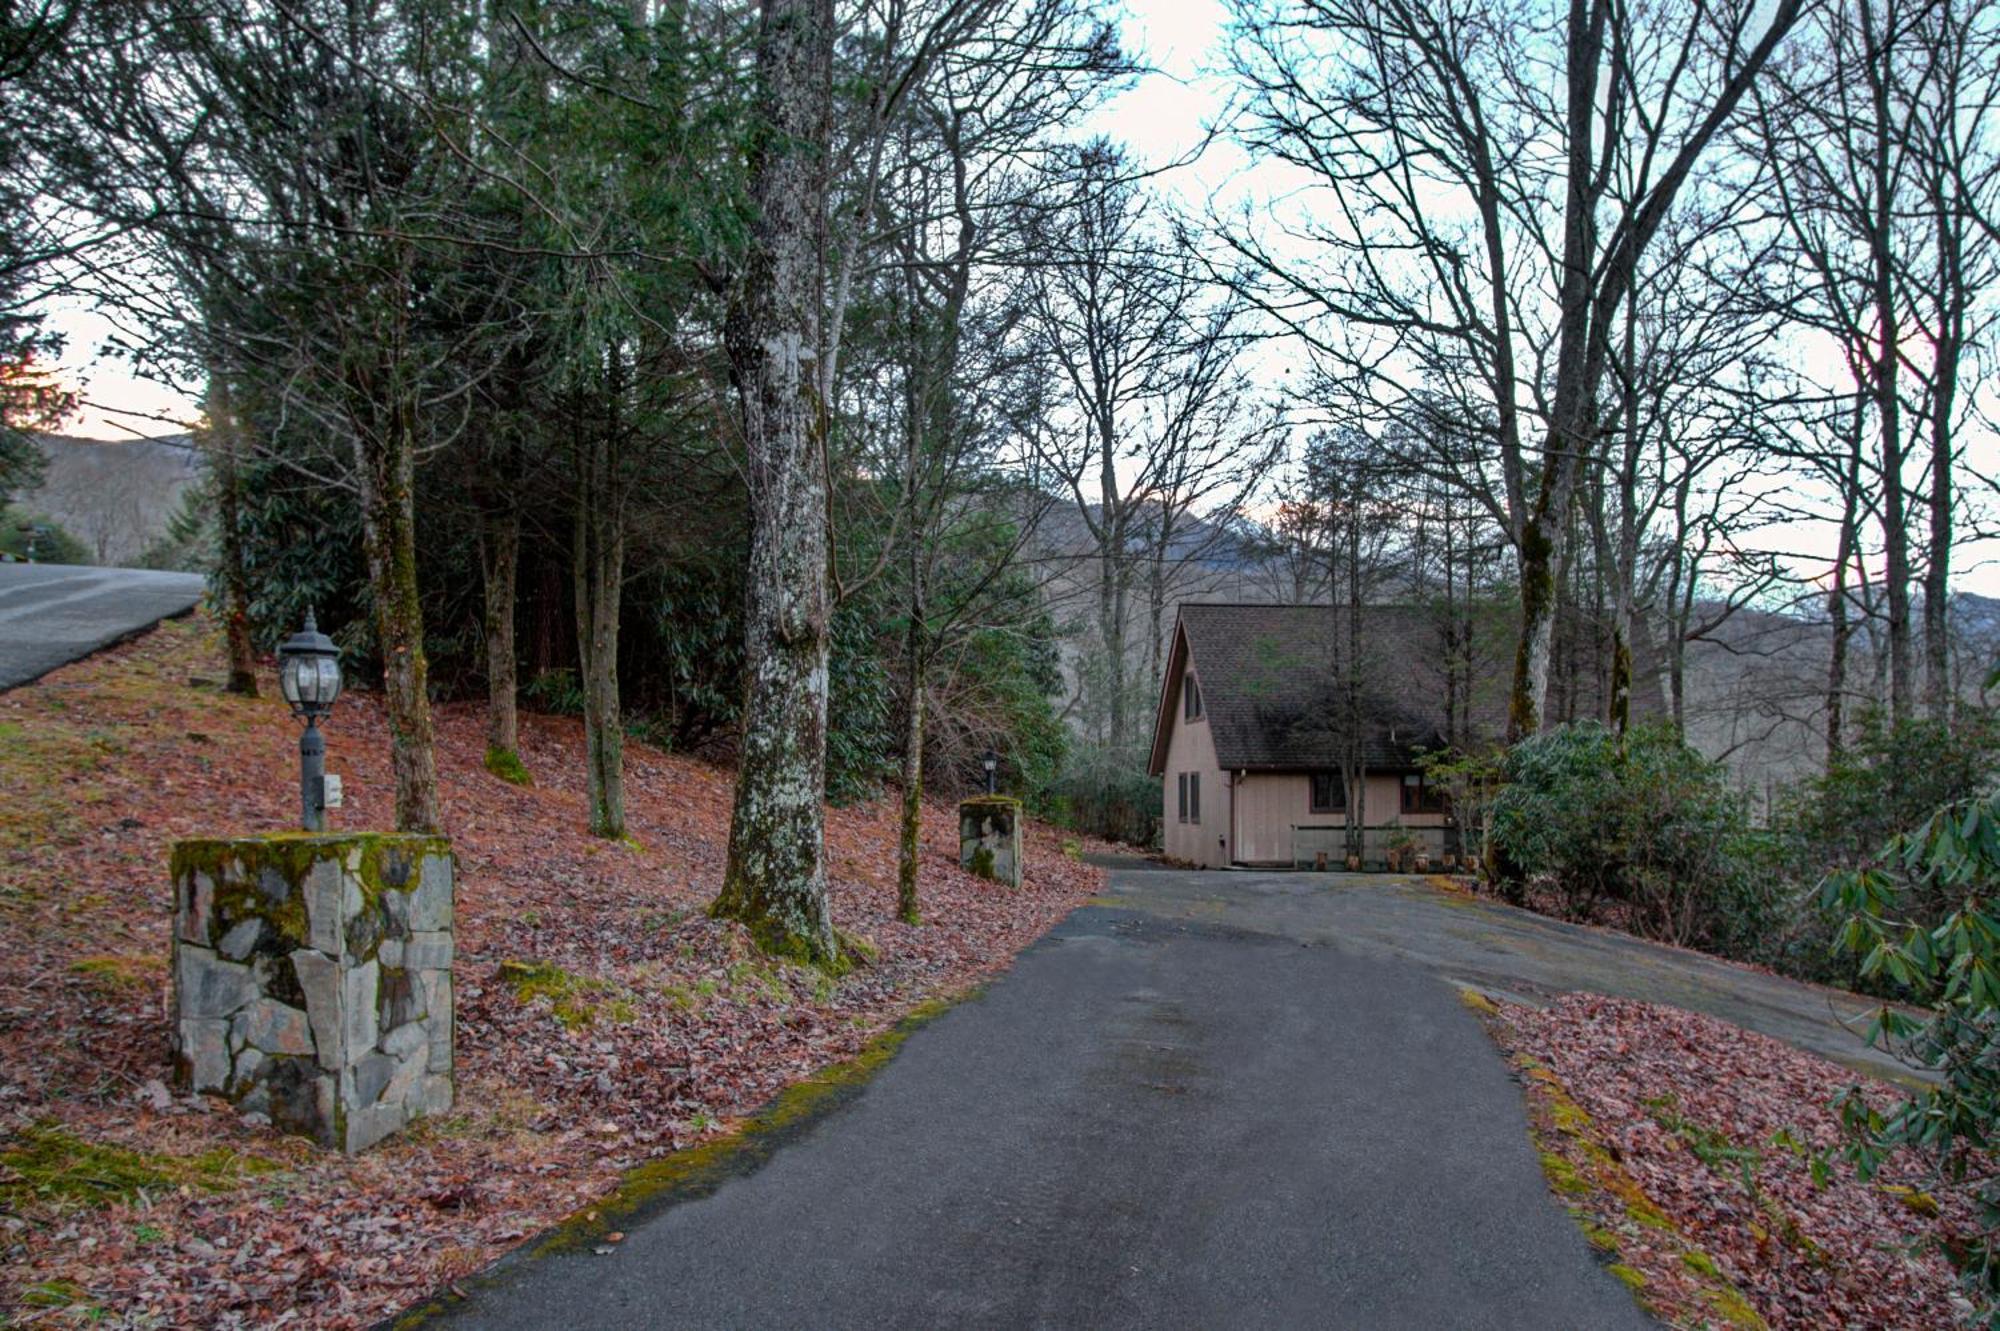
699	1170
507	765
114	974
44	1164
575	1000
1608	1204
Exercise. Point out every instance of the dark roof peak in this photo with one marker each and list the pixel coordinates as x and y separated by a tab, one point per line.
1284	684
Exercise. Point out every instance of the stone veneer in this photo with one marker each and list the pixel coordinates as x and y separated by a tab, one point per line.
989	838
312	979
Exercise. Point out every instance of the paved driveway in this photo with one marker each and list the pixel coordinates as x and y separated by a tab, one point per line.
1506	952
52	614
1213	1101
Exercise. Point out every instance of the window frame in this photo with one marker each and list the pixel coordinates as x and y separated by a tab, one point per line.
1337	788
1194	797
1420	796
1191	708
1182	811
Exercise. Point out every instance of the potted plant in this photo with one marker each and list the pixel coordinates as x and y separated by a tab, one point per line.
1402	847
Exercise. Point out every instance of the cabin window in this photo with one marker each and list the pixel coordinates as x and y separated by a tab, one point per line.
1190	697
1329	793
1420	796
1190	805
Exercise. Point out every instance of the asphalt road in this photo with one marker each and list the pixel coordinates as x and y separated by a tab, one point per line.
52	614
1151	1121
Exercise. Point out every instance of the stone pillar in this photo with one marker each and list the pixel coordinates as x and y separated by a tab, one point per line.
312	979
989	838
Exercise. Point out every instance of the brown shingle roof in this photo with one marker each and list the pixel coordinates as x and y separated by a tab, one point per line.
1273	681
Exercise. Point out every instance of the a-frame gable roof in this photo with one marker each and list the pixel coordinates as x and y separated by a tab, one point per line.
1274	682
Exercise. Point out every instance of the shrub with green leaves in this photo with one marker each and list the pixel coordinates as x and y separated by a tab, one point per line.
1886	784
1642	821
1951	967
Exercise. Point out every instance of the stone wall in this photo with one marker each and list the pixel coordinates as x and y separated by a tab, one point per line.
989	838
312	979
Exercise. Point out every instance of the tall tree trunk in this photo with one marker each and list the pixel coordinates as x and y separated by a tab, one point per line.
500	564
226	458
909	847
386	470
1946	347
1886	369
1156	606
1594	286
1836	597
776	876
917	403
600	577
1541	567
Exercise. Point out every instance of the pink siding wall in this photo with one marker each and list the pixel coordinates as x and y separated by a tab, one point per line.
1268	804
1191	748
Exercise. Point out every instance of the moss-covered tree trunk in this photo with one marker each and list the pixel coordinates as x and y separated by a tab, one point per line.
385	467
225	456
500	564
599	565
909	849
775	881
910	841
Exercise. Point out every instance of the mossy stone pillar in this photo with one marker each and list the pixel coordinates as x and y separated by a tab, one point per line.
989	838
312	979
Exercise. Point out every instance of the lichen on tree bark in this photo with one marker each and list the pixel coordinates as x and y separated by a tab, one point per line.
775	881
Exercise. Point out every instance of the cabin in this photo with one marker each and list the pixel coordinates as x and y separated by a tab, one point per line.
1253	741
1266	710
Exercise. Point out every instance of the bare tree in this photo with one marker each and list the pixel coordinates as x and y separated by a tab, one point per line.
1150	427
1478	224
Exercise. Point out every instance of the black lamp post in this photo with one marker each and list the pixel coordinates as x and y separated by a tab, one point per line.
990	761
309	678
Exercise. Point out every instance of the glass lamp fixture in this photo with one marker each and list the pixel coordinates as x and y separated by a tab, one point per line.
309	679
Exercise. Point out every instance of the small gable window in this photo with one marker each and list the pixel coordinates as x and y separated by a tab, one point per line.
1190	697
1329	793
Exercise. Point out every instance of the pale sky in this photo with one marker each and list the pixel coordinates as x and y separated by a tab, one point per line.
1162	118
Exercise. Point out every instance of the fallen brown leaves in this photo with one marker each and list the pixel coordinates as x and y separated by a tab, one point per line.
1686	1148
673	1029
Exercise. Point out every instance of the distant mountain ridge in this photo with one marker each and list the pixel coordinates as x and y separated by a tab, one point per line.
114	496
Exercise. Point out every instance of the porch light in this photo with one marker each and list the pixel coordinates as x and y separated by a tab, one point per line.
309	679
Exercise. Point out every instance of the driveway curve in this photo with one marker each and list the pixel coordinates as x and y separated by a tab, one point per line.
52	614
1160	1117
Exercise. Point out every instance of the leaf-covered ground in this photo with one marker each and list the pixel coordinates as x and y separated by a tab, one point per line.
635	1026
1702	1160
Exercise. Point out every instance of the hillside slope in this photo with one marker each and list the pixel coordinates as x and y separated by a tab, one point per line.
656	1028
115	497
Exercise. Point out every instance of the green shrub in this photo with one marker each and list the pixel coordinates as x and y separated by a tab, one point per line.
1951	966
1644	822
23	533
1886	785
